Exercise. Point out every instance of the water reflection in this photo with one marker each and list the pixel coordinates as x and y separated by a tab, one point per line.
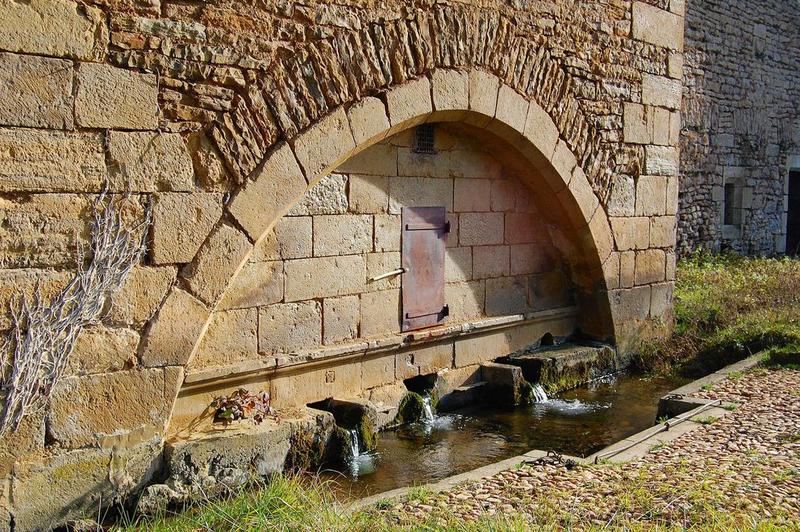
578	422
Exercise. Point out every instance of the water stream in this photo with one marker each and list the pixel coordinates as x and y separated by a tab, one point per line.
426	409
578	422
359	464
539	395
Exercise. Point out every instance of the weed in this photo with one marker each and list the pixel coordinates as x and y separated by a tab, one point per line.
420	494
784	475
705	420
657	446
384	504
792	438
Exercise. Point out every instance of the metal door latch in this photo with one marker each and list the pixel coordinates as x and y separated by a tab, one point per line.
392	273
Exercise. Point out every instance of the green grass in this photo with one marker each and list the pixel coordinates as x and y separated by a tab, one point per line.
727	308
707	420
297	503
419	494
286	503
657	446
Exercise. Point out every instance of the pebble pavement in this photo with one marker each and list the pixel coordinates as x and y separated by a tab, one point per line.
742	468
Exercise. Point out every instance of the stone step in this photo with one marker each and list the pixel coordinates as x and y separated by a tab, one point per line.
462	396
506	385
568	365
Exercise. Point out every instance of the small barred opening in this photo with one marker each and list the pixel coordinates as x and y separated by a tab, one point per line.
424	141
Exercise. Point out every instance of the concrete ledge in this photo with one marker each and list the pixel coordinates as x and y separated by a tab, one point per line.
455	480
640	444
449	482
240	370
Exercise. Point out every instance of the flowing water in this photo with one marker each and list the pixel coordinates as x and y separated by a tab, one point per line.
578	422
427	410
358	463
539	395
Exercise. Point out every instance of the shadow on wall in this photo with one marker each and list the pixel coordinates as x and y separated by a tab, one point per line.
510	249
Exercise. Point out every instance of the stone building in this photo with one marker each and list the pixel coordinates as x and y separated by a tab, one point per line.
279	148
740	142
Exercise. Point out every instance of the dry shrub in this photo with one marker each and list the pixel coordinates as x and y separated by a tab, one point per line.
44	332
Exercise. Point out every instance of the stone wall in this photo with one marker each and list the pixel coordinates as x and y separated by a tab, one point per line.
308	284
741	123
221	115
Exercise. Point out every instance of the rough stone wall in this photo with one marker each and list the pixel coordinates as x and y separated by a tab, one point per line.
307	285
220	114
741	122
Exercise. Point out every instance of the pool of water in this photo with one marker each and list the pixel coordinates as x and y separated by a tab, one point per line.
578	422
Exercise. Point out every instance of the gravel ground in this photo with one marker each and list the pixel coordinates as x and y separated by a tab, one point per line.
732	472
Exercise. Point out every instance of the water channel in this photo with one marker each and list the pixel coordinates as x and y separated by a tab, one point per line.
578	422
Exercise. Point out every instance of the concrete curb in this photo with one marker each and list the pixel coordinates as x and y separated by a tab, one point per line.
453	481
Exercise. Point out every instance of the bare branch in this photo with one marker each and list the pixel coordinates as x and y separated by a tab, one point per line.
45	333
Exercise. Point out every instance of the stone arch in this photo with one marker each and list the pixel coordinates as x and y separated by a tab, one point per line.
303	87
475	98
244	84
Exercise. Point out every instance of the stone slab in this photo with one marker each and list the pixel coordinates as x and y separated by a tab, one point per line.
80	406
53	27
36	91
51	161
109	97
149	162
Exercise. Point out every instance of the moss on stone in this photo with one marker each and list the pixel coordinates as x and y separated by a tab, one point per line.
339	445
554	381
433	394
587	364
526	394
306	451
411	409
368	434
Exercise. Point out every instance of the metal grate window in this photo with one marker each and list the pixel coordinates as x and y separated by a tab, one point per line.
424	141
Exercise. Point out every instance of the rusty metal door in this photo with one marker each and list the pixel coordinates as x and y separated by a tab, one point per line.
424	237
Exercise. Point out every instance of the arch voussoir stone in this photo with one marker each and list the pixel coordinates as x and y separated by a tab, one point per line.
174	331
409	104
450	94
275	187
291	168
324	146
369	122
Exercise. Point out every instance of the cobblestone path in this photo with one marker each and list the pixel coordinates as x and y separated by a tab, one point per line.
734	472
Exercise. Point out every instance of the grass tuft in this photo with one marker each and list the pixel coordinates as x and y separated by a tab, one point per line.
728	307
285	503
707	420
